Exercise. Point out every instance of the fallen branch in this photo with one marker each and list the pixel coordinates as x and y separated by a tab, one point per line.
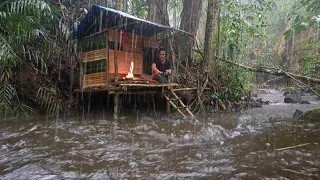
293	171
274	71
304	85
272	80
292	147
279	72
299	173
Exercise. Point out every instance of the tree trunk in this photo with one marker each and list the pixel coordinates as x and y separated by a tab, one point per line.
190	17
288	52
157	11
175	15
125	6
210	44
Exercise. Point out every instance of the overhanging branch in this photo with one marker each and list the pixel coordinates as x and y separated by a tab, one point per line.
276	72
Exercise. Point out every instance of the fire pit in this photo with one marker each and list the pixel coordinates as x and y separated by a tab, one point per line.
130	77
130	74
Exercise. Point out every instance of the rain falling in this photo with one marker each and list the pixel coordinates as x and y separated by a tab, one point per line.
159	89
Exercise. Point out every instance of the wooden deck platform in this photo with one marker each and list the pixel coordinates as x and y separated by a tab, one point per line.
140	87
125	87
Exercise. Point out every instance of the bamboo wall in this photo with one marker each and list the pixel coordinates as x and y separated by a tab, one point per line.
124	62
94	55
130	50
94	79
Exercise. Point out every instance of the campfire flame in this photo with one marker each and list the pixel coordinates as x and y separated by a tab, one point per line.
130	74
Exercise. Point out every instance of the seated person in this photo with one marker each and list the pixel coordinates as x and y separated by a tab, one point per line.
161	69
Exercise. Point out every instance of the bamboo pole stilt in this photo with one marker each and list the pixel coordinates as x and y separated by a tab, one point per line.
168	105
116	106
107	56
89	103
168	101
116	56
81	70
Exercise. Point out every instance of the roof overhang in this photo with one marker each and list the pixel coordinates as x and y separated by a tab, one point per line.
100	18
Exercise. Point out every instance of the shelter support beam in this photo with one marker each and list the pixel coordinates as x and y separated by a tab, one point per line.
107	57
116	56
116	106
81	70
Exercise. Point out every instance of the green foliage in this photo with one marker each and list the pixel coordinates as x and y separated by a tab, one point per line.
139	8
198	54
310	116
288	34
311	59
289	90
239	24
9	98
310	5
20	29
235	84
8	57
305	18
23	38
7	93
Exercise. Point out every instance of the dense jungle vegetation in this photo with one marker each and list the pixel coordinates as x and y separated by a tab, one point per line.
231	40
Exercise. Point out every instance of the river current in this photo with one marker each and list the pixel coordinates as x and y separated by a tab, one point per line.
242	145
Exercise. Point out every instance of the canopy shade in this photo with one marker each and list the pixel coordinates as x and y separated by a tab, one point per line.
100	18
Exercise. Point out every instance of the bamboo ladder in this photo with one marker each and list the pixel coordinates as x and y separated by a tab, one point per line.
177	104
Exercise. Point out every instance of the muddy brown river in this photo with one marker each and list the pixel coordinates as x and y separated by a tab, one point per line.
243	145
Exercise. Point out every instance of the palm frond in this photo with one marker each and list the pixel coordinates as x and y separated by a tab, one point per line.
4	75
64	30
28	7
8	57
9	101
24	18
49	99
3	14
23	110
7	93
22	28
24	37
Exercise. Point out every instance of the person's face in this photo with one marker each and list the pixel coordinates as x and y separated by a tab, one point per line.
162	56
